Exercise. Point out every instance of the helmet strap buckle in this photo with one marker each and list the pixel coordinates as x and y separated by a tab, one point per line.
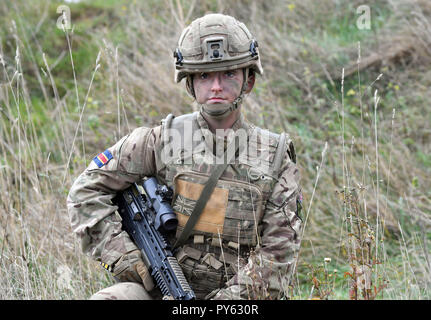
253	46
178	56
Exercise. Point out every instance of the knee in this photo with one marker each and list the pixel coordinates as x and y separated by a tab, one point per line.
122	291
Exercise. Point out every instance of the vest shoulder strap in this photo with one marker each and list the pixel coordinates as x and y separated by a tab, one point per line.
284	144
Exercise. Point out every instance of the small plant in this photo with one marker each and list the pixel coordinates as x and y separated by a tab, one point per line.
323	281
360	250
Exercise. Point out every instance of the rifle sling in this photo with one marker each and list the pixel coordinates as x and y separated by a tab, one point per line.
201	203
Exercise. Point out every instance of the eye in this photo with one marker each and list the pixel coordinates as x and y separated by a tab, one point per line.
230	74
203	75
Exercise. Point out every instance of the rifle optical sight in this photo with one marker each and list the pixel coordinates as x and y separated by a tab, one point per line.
160	198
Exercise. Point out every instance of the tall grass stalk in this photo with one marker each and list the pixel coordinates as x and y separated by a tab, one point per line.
376	102
75	82
319	168
66	170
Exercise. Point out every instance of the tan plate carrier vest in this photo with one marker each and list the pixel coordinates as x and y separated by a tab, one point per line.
229	225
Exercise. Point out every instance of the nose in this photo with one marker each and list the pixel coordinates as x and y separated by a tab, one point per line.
216	85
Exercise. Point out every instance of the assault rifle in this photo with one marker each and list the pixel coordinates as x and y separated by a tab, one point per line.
148	218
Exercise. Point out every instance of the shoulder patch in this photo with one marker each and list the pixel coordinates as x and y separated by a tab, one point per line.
103	158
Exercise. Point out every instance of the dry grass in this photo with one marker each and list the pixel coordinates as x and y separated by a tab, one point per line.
52	124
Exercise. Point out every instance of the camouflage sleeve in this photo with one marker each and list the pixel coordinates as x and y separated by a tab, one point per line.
269	269
92	215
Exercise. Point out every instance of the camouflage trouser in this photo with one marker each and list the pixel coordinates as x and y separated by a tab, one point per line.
125	291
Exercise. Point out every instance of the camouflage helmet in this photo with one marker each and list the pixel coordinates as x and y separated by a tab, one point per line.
215	42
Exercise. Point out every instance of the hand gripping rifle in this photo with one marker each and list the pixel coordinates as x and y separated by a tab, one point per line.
147	218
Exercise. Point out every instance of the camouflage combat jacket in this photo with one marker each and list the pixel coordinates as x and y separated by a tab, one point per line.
247	237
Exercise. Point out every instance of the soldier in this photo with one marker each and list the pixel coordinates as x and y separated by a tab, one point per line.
246	240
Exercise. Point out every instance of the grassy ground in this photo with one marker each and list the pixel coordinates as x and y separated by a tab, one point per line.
66	95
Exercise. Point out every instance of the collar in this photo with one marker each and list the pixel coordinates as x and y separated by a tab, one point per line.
240	123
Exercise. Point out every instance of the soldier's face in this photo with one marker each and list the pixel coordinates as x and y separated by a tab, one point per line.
218	87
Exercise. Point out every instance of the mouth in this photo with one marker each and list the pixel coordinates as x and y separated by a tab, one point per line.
216	100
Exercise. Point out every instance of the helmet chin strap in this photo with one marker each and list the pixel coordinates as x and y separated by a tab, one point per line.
220	111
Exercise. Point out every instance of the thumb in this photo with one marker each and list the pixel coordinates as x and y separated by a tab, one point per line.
145	275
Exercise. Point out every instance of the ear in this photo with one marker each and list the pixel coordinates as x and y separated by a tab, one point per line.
250	83
189	86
